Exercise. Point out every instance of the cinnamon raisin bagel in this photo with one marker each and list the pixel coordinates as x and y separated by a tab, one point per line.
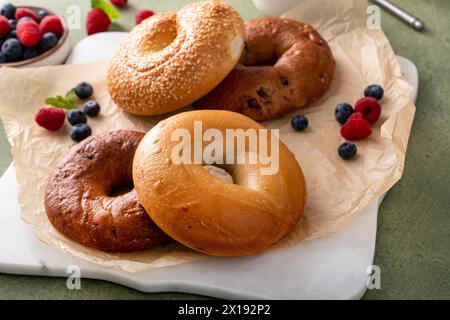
286	65
172	59
207	213
90	198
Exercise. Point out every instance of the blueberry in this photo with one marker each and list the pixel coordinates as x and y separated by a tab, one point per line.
374	91
91	108
8	10
24	19
42	14
343	112
12	34
300	123
12	49
2	57
13	23
347	150
76	117
30	53
79	132
84	90
48	41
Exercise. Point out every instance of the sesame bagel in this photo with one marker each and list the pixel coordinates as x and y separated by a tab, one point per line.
90	198
172	59
206	213
286	65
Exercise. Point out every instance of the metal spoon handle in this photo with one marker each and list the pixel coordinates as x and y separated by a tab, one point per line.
406	17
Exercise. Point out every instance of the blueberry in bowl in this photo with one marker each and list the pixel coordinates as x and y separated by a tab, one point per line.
48	41
12	49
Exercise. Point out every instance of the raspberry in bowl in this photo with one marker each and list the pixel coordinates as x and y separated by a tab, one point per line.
32	36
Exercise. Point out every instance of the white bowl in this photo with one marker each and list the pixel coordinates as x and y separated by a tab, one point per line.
275	7
56	55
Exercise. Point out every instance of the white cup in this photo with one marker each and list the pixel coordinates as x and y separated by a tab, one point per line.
275	7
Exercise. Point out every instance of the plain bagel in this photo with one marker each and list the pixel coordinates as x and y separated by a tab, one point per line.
286	65
172	59
82	199
205	213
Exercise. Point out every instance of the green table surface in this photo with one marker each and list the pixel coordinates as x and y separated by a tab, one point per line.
413	240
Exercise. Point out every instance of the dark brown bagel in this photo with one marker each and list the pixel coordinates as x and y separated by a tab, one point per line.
90	196
286	65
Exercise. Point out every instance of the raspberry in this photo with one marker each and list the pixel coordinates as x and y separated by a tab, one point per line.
97	21
50	118
52	24
142	15
4	26
28	33
24	12
119	3
370	109
356	128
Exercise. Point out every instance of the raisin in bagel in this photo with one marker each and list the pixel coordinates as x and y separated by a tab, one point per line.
206	213
172	59
81	199
286	66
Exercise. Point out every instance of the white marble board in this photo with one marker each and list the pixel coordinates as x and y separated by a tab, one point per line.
333	267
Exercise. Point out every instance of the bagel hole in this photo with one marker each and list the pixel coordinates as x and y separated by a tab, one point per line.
255	56
121	189
160	40
263	61
219	172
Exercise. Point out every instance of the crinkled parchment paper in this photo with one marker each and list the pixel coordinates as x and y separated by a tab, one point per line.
338	190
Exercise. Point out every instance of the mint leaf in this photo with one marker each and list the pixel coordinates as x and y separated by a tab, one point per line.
60	102
70	104
70	95
55	102
109	9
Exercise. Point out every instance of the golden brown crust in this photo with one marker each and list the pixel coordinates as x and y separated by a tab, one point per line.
79	200
303	68
205	213
172	59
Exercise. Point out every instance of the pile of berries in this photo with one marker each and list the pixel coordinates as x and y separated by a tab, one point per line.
52	118
99	17
25	34
356	122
